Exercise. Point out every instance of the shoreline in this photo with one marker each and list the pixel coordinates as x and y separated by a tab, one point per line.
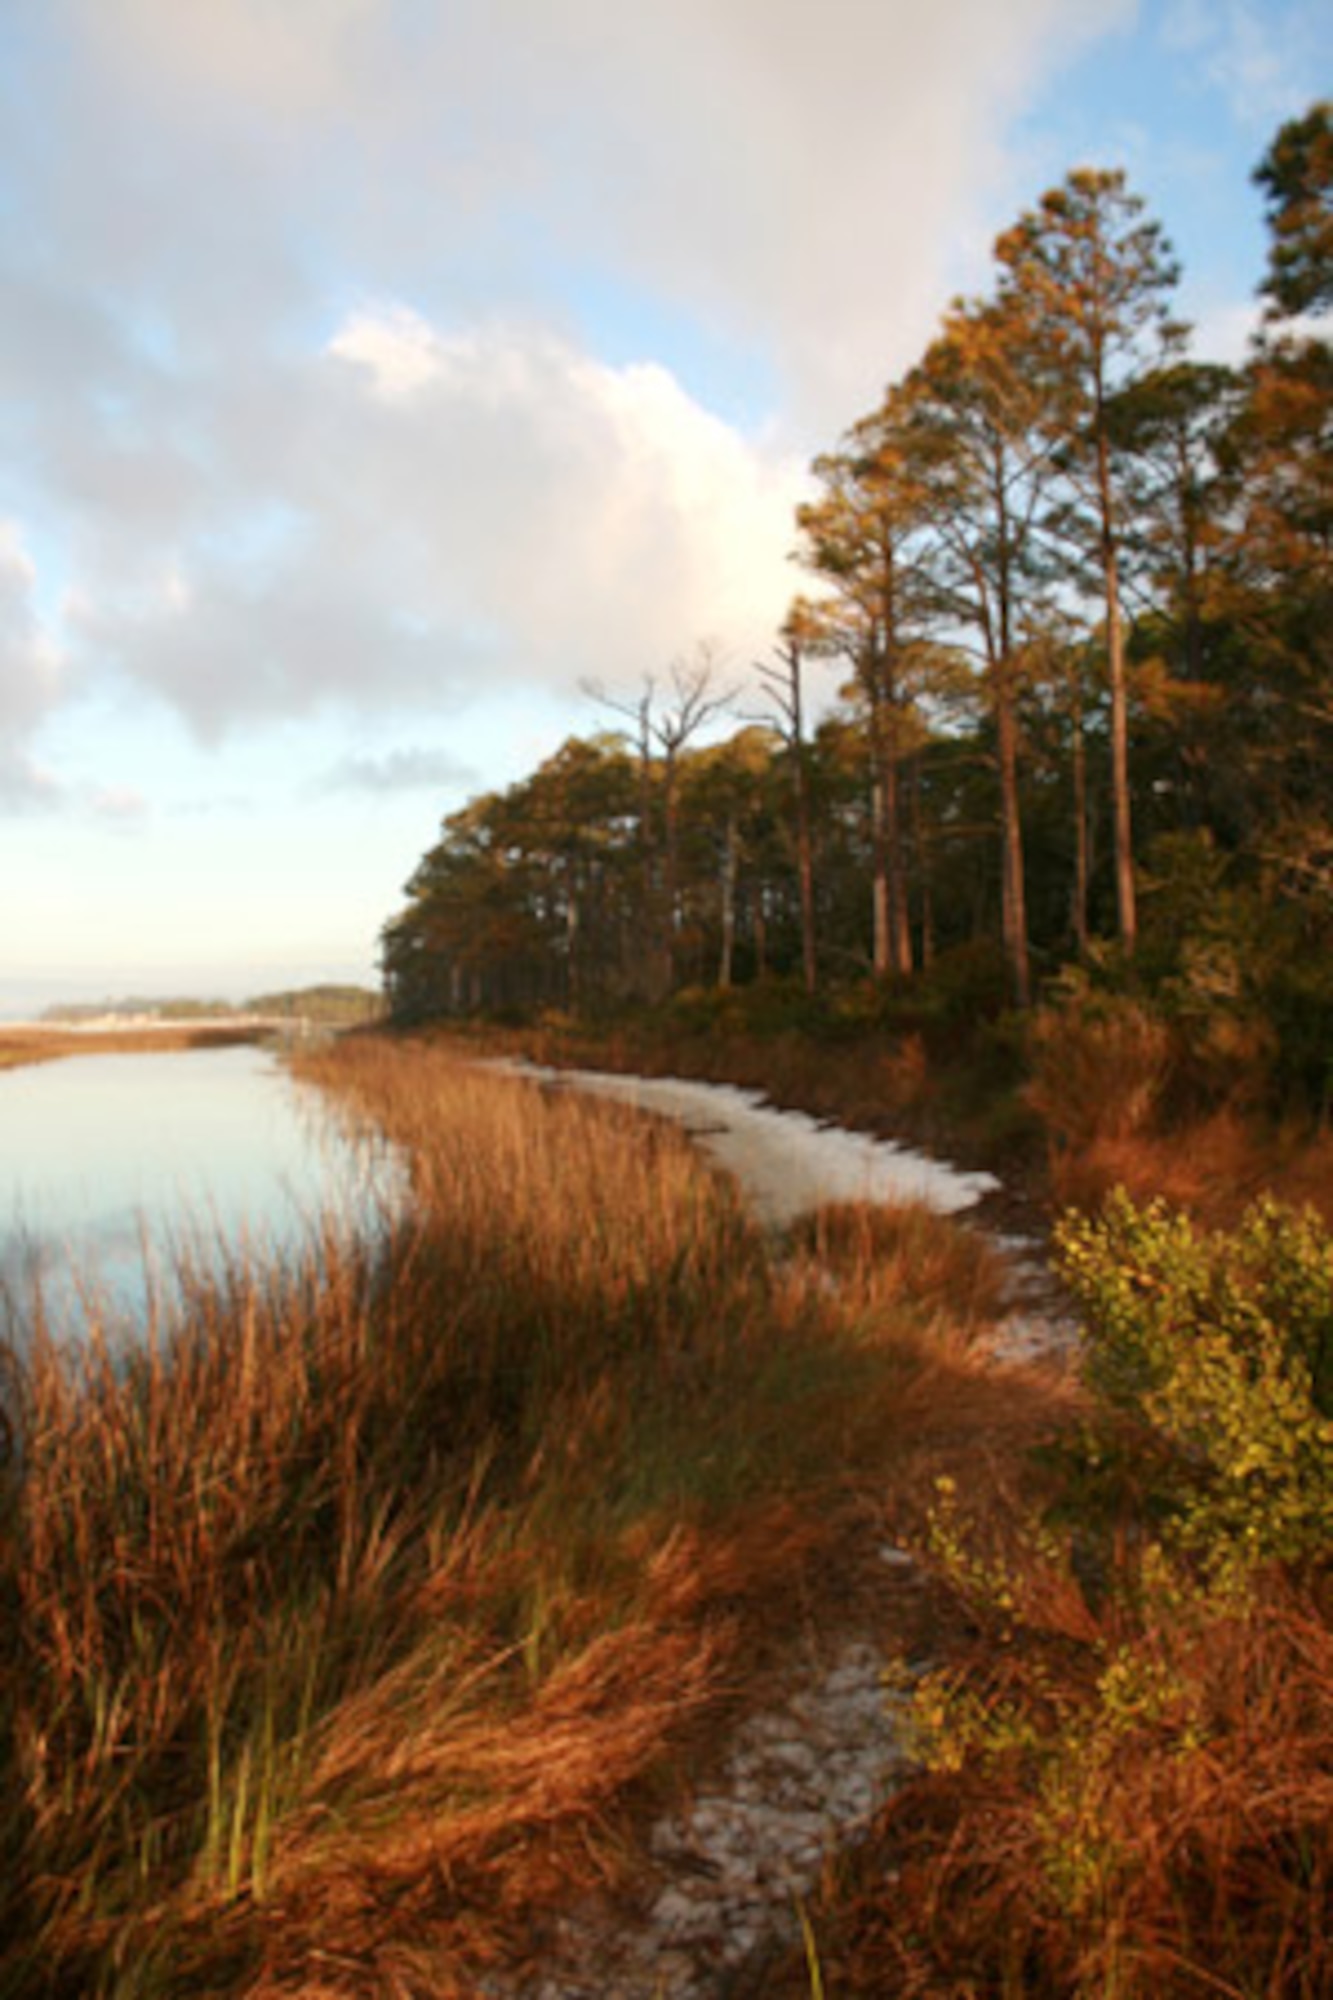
23	1043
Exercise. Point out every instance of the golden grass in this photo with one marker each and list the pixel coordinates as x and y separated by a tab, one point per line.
368	1612
353	1617
1214	1166
906	1256
20	1046
1145	1803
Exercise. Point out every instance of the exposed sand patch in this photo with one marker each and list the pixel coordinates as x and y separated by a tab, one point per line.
785	1161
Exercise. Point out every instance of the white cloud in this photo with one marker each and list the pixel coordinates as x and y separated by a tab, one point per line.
295	59
309	344
31	677
120	804
1226	332
796	178
399	771
471	508
396	347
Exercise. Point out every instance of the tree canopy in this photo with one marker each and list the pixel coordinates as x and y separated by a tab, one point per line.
1065	638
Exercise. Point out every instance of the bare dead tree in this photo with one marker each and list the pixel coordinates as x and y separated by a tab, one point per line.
665	719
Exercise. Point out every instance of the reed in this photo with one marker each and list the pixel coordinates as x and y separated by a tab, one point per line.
350	1612
22	1045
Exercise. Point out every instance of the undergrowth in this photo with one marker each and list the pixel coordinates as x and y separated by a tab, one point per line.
354	1618
1126	1782
1110	1081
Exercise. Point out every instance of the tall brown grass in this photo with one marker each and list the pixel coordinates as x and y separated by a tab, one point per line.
1128	1732
1135	1804
349	1613
1127	1098
21	1045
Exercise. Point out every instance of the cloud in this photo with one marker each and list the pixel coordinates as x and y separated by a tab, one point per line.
120	804
31	679
307	302
399	771
25	786
447	511
292	61
795	178
1226	333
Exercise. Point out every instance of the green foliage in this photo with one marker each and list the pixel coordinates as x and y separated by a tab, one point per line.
1298	1006
1076	585
771	1007
1128	1764
1220	1345
1296	174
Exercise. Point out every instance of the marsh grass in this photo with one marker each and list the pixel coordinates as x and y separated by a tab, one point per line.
1130	1790
904	1257
20	1046
1083	1097
351	1615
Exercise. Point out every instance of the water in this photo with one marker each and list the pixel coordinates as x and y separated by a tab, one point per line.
107	1161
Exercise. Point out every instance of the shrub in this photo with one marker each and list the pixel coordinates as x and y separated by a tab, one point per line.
1126	1786
1101	1064
1220	1345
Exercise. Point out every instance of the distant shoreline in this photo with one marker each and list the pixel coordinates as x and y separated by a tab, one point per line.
23	1042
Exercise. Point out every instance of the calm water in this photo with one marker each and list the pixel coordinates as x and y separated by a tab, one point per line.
102	1155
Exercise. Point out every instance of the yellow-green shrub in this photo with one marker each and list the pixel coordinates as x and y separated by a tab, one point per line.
1220	1343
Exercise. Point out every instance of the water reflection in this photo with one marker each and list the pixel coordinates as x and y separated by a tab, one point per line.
109	1164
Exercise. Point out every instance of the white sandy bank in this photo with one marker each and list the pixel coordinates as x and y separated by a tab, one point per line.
786	1161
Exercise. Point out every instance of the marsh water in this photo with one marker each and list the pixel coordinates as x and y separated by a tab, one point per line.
108	1161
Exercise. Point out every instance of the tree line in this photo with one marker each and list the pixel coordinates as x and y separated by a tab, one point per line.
1067	615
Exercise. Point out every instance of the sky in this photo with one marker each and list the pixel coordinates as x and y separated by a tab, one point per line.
376	374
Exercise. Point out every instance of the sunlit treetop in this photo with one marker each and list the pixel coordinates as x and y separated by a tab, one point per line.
1296	175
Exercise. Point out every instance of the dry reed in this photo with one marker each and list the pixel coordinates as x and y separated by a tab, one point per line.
350	1611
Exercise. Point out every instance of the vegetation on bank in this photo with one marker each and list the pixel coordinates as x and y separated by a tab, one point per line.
19	1046
1092	1090
1126	1744
330	1005
1127	1782
352	1617
355	1621
1072	587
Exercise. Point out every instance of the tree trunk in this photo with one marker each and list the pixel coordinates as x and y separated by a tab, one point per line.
879	863
1013	894
730	869
805	865
1081	856
1115	660
879	883
671	871
921	842
900	931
